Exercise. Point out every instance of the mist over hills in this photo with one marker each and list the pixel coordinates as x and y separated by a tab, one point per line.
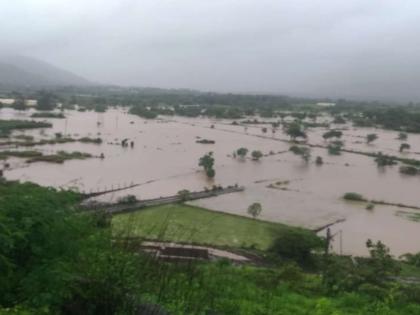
17	71
22	71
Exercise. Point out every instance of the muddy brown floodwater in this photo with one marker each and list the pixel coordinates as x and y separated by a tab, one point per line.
165	157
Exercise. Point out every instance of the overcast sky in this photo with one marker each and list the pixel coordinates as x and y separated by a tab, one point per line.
357	48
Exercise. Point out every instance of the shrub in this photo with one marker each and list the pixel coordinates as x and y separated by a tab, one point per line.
185	194
242	152
304	152
412	259
371	137
319	160
402	136
334	149
256	155
297	244
127	200
409	170
384	160
353	196
404	146
370	206
332	134
255	209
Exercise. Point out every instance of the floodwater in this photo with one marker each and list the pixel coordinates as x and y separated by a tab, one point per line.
165	160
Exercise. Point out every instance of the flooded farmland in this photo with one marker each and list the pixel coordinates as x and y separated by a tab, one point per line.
164	160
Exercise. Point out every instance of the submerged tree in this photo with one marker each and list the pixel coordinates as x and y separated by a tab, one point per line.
402	136
334	149
207	162
404	146
332	134
295	130
384	160
319	160
303	152
242	152
184	194
371	137
256	155
409	170
255	209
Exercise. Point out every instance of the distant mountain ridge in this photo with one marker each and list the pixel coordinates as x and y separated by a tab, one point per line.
21	71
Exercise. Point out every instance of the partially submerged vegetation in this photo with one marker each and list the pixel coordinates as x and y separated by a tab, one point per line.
20	154
60	157
409	170
48	115
412	216
352	196
303	152
205	141
28	141
7	126
36	156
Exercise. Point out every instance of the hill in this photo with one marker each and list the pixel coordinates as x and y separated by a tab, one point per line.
20	71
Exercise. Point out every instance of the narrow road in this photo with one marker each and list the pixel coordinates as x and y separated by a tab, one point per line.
122	208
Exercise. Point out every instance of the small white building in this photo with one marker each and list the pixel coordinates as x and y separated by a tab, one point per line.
31	103
7	101
10	101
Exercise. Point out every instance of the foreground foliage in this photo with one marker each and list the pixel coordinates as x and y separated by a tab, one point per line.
57	260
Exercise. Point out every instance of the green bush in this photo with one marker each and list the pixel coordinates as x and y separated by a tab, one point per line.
409	170
297	245
353	196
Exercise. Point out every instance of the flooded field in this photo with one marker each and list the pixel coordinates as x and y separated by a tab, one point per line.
164	160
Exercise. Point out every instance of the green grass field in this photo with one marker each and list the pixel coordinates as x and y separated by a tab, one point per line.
183	223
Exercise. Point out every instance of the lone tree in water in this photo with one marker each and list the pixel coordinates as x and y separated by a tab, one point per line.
371	137
295	130
304	152
256	155
402	136
207	162
255	209
242	152
319	160
404	146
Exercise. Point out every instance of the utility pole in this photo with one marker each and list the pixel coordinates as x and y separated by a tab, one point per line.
341	242
328	242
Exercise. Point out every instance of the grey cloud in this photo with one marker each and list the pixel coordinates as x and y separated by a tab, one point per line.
356	49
